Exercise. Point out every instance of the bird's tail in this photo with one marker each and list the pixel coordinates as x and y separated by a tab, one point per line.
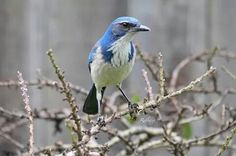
91	103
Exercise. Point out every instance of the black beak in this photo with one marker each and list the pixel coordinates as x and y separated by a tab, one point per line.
141	28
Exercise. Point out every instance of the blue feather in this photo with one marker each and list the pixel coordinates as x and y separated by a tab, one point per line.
92	54
131	54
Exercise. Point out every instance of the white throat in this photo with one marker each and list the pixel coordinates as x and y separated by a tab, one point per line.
121	49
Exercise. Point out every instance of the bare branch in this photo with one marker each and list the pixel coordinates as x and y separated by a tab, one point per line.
228	140
161	76
29	112
45	83
149	87
67	91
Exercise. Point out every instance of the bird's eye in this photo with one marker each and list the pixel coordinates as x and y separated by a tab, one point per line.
125	24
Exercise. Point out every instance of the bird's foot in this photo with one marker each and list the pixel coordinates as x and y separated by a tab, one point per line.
133	110
101	121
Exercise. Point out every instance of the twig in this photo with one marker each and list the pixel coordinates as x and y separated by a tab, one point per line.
189	87
10	127
67	91
134	130
228	140
227	54
149	61
151	145
115	133
229	73
13	141
211	91
149	87
57	147
28	109
44	83
180	66
212	135
7	114
161	76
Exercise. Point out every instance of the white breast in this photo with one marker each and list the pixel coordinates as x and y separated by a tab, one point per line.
120	54
105	74
121	49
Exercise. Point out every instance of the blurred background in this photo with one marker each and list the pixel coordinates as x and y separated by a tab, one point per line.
28	28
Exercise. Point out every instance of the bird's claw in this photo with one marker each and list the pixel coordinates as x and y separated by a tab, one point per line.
101	121
133	110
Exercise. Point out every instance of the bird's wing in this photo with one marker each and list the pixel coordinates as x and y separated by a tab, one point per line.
92	54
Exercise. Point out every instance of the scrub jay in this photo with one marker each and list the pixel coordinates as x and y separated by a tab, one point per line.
111	60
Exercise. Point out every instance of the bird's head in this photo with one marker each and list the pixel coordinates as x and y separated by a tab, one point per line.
125	27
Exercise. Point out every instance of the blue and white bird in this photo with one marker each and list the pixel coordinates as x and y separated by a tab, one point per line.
111	60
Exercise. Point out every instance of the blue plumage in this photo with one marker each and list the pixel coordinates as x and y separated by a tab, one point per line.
111	59
131	53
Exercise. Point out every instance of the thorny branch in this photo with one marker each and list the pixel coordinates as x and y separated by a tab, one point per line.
40	83
24	93
156	126
68	95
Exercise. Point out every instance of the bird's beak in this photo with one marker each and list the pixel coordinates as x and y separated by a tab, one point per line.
141	28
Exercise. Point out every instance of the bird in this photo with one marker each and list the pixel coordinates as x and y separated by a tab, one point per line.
111	60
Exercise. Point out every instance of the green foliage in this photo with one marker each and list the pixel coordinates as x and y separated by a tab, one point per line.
130	119
135	99
186	131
